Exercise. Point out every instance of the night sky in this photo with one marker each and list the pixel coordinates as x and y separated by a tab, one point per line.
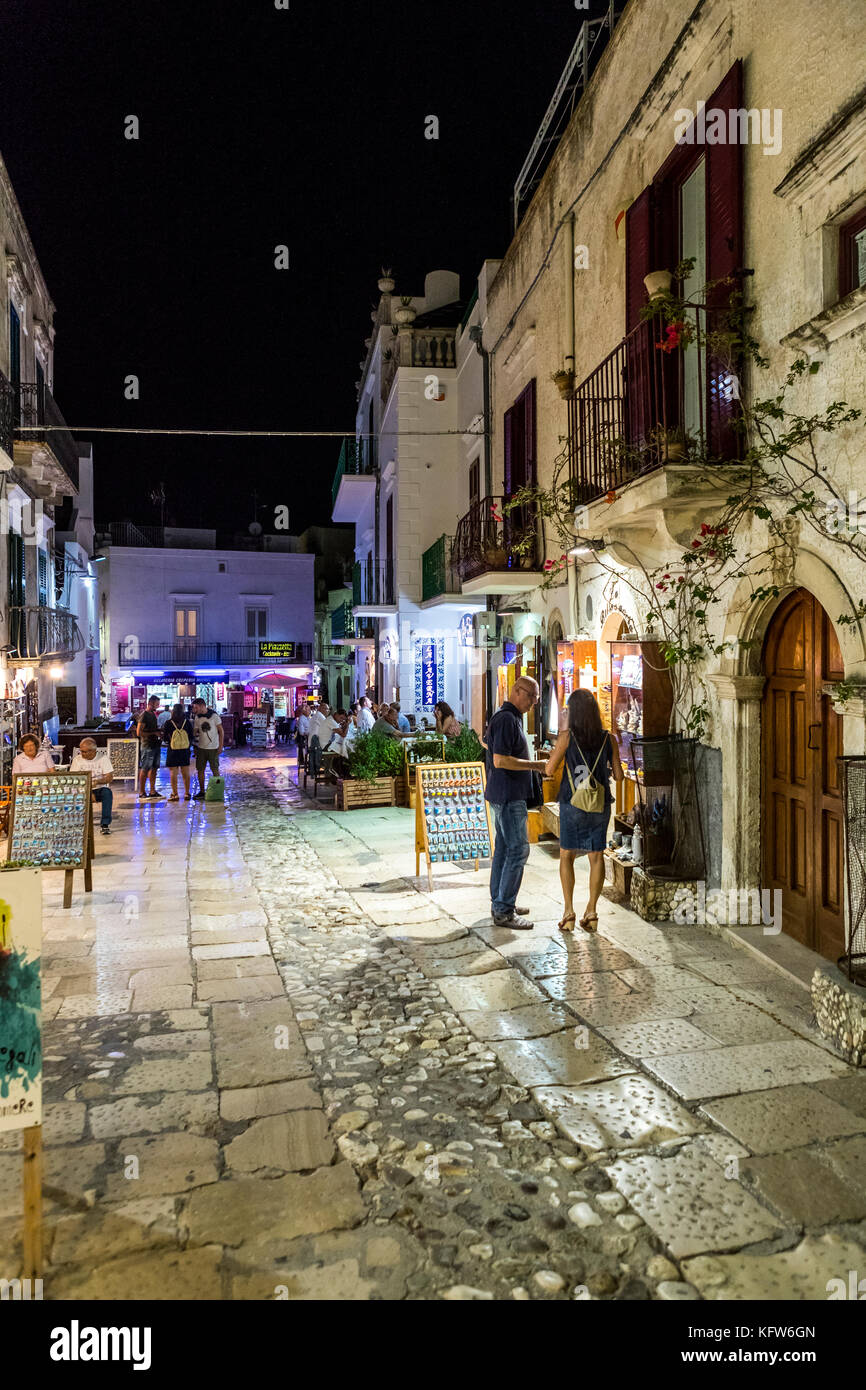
259	127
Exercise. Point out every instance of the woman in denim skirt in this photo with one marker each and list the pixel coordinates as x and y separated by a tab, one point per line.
586	747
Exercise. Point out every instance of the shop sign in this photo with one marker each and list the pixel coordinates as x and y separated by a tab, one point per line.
278	652
429	672
21	999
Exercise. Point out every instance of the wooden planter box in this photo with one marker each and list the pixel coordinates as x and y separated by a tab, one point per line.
401	791
352	793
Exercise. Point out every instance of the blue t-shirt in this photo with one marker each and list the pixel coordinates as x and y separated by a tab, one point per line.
505	735
579	766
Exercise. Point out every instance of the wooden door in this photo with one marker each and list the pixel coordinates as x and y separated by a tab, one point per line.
801	807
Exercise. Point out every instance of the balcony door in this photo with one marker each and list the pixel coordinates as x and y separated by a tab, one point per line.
693	246
519	471
187	625
14	347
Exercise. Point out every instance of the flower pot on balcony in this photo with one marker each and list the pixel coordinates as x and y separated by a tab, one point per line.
564	382
386	282
496	558
658	282
405	315
673	452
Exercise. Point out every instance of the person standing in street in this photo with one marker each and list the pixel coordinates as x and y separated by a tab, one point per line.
509	788
303	732
178	734
89	758
208	737
150	747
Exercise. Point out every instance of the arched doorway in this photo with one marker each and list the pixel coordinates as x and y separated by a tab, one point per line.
801	737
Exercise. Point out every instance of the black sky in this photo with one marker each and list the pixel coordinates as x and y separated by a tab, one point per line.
258	127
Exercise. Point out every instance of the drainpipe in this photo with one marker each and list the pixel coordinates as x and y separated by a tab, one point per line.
475	334
569	294
374	576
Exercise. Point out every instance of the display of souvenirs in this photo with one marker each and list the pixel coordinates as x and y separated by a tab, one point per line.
455	814
49	822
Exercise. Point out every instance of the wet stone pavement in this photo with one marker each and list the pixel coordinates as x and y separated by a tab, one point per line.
275	1068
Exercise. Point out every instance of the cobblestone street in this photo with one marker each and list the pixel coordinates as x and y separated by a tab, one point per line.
277	1066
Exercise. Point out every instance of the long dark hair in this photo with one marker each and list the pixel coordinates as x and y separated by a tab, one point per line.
584	719
445	710
178	715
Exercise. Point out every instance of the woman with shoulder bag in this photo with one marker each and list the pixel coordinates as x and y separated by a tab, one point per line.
177	734
591	757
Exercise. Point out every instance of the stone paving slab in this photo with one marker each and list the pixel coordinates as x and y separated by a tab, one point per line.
533	1021
628	1112
803	1272
500	991
689	1203
802	1189
245	1038
556	1060
785	1118
750	1067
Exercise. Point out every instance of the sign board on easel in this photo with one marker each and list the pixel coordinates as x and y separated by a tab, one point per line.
123	756
452	819
51	825
21	1040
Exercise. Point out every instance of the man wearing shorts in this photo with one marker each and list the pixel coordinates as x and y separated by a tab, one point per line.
208	739
150	748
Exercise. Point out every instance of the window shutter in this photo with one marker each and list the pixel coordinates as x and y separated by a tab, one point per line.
638	251
509	451
528	399
724	254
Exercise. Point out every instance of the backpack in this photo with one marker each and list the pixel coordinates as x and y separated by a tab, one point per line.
179	739
588	795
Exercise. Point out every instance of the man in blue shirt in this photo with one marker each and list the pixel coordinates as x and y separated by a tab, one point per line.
402	722
509	787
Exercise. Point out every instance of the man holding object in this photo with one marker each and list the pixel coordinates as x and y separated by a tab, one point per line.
509	788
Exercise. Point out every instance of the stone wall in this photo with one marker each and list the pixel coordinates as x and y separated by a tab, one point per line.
840	1012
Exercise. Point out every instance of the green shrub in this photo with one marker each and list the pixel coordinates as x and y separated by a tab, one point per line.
375	755
465	748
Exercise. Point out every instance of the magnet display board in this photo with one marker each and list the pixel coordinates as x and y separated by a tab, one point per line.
452	819
123	756
51	824
20	998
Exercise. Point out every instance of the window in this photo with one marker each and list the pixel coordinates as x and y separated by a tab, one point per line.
186	622
221	567
474	483
42	578
14	346
852	254
257	622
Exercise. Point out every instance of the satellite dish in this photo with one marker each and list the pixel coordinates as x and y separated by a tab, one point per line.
255	528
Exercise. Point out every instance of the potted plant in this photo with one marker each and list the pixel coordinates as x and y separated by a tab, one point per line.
386	282
671	444
564	382
375	761
405	314
658	283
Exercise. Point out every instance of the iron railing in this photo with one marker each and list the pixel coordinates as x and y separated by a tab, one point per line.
127	533
37	409
438	572
7	415
38	633
358	457
489	538
348	628
373	583
645	406
185	654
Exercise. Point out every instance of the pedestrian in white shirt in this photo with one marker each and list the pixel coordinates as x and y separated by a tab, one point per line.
323	725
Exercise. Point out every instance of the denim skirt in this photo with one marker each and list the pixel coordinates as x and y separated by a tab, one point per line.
582	830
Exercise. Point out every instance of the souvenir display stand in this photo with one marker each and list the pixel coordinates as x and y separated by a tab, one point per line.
412	760
452	818
641	700
51	825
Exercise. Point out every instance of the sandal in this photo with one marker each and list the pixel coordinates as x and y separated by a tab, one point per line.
569	917
174	797
585	921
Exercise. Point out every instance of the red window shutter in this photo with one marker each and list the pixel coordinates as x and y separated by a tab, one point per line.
638	252
724	256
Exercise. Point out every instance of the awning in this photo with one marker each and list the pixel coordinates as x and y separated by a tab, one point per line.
276	680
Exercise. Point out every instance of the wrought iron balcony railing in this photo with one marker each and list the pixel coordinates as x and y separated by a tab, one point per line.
36	410
39	633
373	584
491	539
438	571
647	405
186	654
7	414
348	628
358	457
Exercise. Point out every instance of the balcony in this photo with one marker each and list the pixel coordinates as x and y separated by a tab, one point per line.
418	345
349	630
41	441
373	588
354	480
186	654
439	577
40	633
497	551
643	409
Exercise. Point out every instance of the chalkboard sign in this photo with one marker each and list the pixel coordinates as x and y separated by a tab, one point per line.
123	756
452	819
51	824
21	995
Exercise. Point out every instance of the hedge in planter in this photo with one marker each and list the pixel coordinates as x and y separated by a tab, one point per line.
375	755
465	748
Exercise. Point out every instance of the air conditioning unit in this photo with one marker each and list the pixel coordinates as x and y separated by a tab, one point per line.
485	627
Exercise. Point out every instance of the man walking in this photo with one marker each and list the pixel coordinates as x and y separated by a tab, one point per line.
150	748
509	787
208	737
89	758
